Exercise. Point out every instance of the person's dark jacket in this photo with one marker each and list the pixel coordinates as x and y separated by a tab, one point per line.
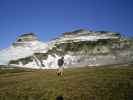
60	62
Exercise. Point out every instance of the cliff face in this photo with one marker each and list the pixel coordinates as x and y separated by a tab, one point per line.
88	48
79	48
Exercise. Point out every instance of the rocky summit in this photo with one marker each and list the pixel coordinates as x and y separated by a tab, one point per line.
80	48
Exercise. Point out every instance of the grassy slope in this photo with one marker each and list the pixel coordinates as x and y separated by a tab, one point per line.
76	84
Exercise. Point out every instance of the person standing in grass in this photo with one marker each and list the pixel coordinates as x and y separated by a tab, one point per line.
60	65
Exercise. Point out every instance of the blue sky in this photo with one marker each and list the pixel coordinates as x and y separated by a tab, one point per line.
50	18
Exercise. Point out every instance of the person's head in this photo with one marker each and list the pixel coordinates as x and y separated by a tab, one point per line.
62	57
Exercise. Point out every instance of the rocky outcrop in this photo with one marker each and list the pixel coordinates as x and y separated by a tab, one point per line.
23	39
27	37
79	48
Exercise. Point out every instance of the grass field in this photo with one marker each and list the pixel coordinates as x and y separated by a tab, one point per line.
76	84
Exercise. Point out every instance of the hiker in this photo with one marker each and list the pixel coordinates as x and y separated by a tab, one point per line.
60	65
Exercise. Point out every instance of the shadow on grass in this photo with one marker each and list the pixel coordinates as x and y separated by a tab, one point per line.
59	98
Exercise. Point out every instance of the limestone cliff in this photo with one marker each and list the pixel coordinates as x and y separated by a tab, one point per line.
79	48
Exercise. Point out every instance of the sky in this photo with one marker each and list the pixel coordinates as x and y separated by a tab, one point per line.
49	18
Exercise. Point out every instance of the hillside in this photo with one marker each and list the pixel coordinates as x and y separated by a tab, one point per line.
80	48
103	83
